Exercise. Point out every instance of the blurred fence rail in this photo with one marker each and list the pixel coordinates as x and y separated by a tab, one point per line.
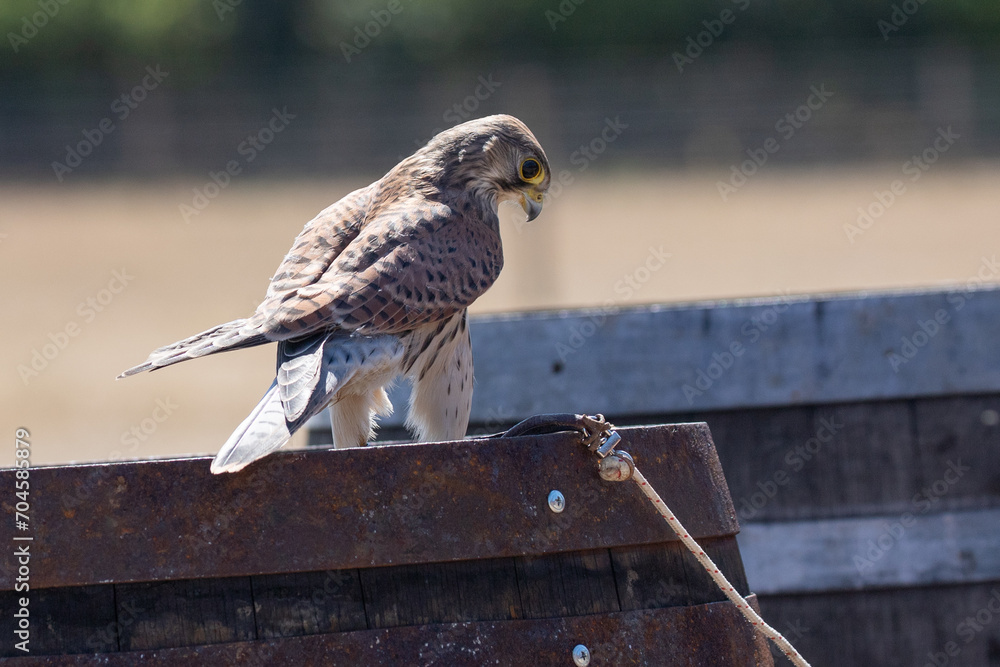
883	104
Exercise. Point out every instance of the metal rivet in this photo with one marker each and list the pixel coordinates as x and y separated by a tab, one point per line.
557	502
581	655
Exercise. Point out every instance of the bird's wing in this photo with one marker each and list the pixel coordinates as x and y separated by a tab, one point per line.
413	261
321	241
342	359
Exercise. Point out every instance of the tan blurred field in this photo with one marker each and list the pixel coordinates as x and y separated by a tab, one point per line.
61	246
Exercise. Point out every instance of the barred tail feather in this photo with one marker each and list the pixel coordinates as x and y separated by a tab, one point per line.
267	428
233	335
349	372
262	432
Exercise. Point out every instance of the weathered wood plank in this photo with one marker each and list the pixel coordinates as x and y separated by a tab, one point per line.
756	443
364	507
725	553
909	549
818	461
703	636
957	430
570	584
858	459
184	613
202	611
667	575
795	350
79	619
903	627
440	593
308	603
651	576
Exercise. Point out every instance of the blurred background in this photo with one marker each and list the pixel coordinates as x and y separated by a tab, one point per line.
157	158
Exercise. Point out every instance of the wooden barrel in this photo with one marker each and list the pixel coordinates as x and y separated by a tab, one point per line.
437	554
859	434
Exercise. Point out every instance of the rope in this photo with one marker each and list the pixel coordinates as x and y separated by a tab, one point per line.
717	576
599	436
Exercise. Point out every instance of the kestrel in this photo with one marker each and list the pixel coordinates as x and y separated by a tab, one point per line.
376	287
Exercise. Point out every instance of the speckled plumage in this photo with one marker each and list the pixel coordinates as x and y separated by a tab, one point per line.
376	287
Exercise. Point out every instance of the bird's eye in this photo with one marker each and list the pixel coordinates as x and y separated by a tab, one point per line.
531	171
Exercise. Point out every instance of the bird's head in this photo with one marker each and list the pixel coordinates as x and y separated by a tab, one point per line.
496	158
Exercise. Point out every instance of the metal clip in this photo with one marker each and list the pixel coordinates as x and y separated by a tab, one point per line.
609	444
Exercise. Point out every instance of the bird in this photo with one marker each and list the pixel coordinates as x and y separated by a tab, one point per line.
376	288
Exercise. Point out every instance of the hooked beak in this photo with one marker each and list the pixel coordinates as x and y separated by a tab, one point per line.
531	202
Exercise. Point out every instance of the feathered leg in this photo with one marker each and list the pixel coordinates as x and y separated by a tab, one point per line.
441	400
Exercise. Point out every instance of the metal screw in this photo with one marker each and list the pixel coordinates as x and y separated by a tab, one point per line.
581	655
557	502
